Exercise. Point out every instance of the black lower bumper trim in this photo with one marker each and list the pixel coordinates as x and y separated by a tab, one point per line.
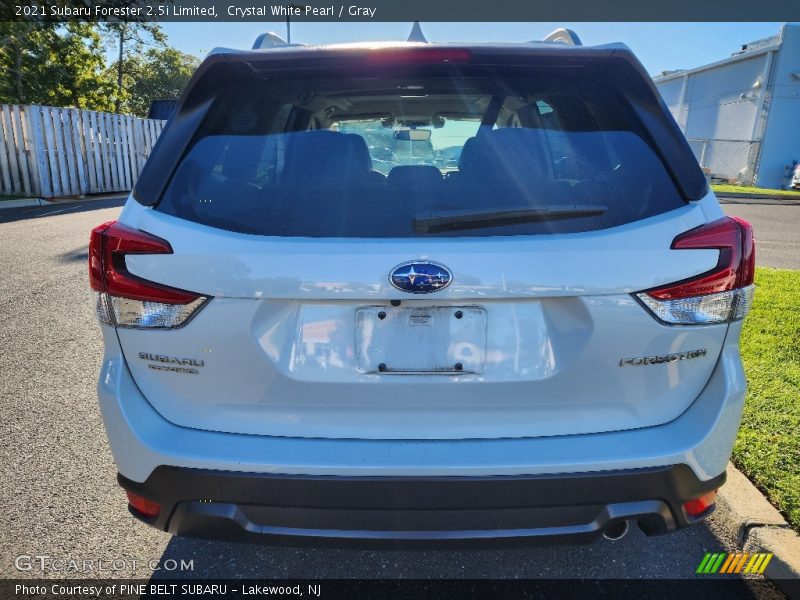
319	509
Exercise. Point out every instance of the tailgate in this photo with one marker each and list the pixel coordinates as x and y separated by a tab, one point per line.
292	341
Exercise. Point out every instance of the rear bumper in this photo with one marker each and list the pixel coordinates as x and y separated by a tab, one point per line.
313	509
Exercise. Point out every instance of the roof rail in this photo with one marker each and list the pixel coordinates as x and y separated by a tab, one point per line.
268	40
564	36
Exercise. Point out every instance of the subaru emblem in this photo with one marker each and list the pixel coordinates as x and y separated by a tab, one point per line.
420	277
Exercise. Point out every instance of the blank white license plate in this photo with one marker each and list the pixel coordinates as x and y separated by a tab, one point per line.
438	339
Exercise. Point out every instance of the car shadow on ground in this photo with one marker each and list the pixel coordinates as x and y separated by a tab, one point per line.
77	255
9	215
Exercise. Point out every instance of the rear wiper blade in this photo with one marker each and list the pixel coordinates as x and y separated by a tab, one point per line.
468	219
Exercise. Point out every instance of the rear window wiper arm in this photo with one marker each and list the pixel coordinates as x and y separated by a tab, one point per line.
467	219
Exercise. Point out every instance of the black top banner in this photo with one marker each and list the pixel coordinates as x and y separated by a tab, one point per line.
400	10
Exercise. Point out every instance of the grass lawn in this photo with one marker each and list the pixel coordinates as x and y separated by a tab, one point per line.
744	189
768	447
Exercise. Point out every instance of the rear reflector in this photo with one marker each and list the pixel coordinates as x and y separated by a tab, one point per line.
720	295
699	506
143	506
418	56
125	300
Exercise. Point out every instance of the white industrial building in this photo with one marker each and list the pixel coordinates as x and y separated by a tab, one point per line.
741	115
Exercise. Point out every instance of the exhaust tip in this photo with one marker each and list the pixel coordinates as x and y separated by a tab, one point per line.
616	531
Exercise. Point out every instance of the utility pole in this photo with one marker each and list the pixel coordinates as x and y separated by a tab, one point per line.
18	66
118	101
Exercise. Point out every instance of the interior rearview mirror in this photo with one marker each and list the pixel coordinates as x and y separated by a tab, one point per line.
413	135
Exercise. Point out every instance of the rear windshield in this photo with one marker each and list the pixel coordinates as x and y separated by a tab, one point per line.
451	155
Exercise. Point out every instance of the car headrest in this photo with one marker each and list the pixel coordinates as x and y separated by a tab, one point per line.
466	159
324	156
414	176
510	154
243	164
360	152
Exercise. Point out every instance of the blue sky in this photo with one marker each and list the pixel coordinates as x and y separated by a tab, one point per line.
660	46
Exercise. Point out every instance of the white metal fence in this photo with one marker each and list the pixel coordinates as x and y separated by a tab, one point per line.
52	152
734	160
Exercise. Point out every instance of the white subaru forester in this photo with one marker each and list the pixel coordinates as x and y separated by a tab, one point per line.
421	292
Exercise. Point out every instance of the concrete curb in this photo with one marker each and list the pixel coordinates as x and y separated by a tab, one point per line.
25	202
752	196
784	544
762	529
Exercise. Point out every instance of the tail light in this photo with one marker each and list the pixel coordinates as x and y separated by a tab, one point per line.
721	295
125	300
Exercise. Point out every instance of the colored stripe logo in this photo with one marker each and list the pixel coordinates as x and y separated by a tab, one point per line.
737	562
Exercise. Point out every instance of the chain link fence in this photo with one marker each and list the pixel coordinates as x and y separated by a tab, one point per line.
730	160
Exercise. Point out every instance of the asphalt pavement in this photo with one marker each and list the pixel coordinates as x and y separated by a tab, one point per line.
58	494
776	226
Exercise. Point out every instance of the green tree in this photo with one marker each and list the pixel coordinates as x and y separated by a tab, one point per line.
161	73
130	39
21	56
75	73
57	64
